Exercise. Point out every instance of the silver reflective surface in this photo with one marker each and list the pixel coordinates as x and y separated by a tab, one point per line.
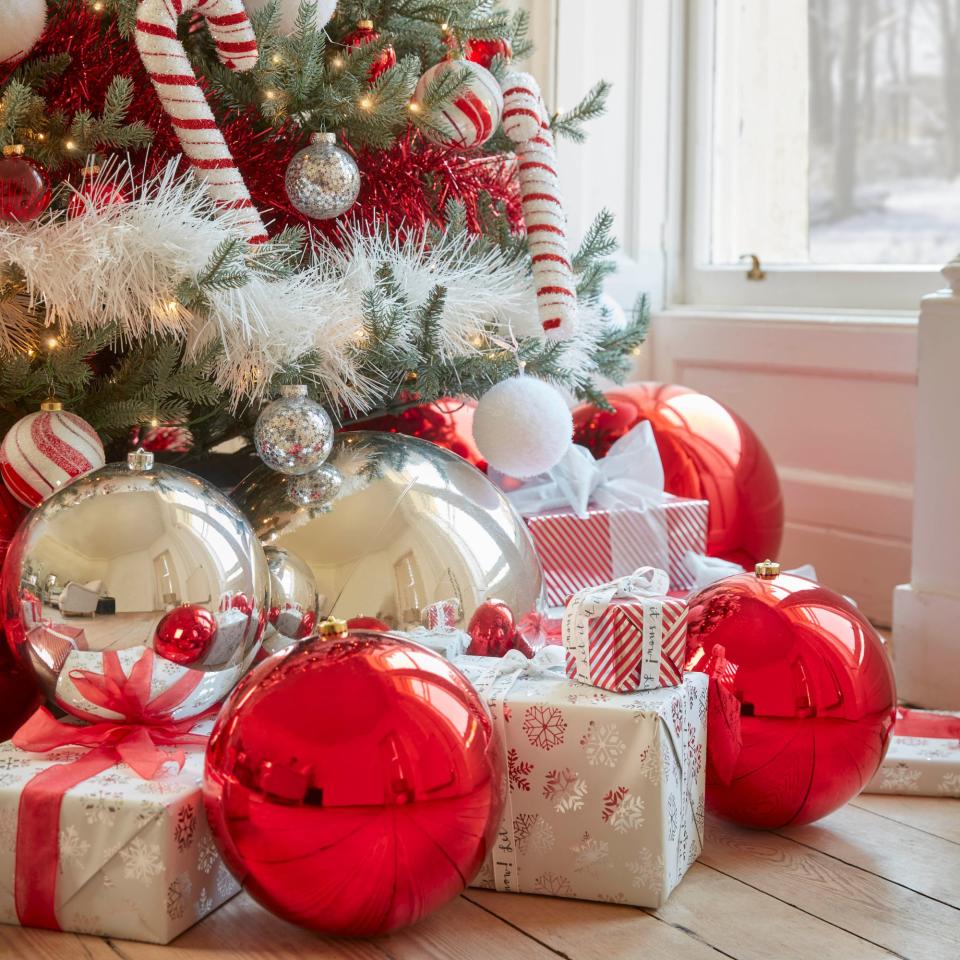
95	568
293	600
413	524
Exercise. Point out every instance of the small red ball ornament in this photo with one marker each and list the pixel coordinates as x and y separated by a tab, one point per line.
708	453
368	623
485	52
493	630
804	701
25	190
365	34
95	194
185	634
354	784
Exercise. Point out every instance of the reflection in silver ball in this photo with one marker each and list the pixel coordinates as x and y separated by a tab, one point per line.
318	487
92	572
414	524
322	180
293	434
293	600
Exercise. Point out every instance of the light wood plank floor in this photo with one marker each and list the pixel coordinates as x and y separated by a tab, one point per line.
879	878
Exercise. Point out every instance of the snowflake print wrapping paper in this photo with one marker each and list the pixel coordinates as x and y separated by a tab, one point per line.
922	766
137	860
605	794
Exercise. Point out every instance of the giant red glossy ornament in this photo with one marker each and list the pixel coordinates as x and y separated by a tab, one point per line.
815	691
354	785
185	634
25	190
20	693
12	513
708	453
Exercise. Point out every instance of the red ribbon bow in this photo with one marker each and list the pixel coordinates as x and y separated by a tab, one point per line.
138	738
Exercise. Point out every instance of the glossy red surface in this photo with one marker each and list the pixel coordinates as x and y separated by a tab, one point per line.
387	57
19	693
25	190
816	697
485	51
185	634
708	453
354	785
368	623
492	629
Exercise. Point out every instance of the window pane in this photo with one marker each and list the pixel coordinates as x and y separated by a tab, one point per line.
836	131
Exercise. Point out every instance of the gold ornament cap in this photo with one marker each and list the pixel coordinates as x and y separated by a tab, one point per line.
332	626
364	24
14	150
140	461
328	138
293	390
767	570
51	405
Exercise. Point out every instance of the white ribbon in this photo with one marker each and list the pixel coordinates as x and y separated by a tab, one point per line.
630	475
646	584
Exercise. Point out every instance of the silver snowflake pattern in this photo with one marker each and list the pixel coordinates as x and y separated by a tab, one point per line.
204	903
10	761
553	884
565	790
73	848
544	726
103	807
647	871
950	784
651	765
141	861
593	696
602	744
694	751
89	923
623	810
161	787
226	885
207	854
518	771
673	817
532	833
612	898
590	853
900	778
676	715
178	896
185	828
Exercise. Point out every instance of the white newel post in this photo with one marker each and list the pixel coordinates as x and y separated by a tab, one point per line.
926	611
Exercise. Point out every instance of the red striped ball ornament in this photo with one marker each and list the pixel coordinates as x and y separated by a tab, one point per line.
471	116
45	450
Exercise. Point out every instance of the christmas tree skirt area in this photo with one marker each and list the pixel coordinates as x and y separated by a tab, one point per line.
878	878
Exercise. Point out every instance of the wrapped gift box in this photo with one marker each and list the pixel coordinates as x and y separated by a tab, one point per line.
578	552
624	637
136	857
924	756
605	798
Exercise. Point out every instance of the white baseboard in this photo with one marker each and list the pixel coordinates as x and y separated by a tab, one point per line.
926	648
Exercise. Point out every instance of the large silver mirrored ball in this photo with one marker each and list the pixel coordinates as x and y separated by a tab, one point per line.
293	600
136	564
413	524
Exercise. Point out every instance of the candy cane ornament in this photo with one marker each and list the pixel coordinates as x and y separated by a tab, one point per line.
184	102
526	123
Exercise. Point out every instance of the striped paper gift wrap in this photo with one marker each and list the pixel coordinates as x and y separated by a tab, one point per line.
578	552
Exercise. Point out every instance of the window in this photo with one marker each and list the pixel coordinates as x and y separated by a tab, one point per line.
823	137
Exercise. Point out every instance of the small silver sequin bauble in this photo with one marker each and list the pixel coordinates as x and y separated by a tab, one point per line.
293	434
322	180
319	486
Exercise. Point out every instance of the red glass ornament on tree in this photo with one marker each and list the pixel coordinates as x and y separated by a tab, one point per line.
708	453
354	784
365	34
25	190
809	697
95	193
485	52
185	634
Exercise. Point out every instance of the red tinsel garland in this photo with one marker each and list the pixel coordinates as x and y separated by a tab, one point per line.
404	188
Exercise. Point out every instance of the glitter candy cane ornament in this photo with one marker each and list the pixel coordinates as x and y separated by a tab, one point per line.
184	102
525	122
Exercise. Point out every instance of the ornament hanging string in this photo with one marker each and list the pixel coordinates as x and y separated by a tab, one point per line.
184	101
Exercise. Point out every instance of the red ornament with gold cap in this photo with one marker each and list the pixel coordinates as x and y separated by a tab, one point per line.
96	192
45	450
364	34
802	696
25	190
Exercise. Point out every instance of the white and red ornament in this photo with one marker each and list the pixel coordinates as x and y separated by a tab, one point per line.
21	24
289	10
526	123
471	116
184	101
45	450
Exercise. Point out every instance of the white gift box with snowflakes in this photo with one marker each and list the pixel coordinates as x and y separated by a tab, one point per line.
605	797
137	859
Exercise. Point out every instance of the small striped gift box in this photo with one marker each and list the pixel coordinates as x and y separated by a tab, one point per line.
624	636
578	552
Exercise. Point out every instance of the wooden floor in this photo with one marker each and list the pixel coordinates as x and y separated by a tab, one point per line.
880	878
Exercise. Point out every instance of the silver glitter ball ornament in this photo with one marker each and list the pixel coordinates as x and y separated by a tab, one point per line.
293	434
322	180
319	486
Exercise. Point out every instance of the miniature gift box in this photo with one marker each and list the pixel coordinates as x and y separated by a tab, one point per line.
626	635
605	790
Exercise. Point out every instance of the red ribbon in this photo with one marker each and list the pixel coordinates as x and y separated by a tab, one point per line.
138	738
924	723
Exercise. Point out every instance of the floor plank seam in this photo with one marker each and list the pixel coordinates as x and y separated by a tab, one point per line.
773	896
83	946
870	873
692	934
116	949
519	929
909	826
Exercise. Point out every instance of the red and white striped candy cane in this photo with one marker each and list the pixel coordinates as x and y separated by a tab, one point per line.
176	83
526	122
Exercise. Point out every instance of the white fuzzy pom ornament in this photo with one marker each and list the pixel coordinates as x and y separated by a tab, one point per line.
522	426
21	23
288	10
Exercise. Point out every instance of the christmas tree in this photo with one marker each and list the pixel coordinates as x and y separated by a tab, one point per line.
153	301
